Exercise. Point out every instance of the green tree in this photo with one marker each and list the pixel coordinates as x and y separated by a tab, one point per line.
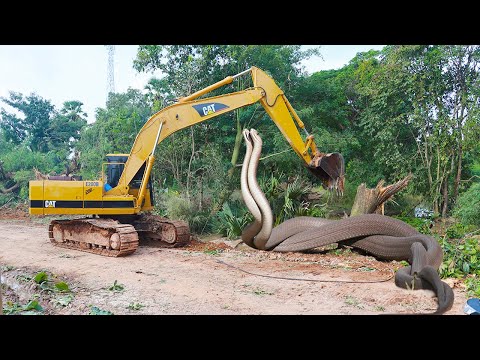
158	94
64	132
33	124
36	137
462	73
114	130
418	113
65	127
467	209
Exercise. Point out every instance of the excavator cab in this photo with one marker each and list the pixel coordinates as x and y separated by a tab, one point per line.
114	168
115	163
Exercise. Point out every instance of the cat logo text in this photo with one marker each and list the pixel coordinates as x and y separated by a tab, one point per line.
50	203
208	109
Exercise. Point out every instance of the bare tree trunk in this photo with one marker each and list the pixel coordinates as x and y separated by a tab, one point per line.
369	201
201	192
365	200
459	172
435	206
445	197
445	186
438	186
236	148
9	190
2	172
189	173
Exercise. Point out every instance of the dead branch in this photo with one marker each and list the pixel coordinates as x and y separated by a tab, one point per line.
9	190
385	193
369	201
39	175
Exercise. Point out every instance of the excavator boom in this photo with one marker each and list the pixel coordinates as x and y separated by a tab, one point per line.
188	111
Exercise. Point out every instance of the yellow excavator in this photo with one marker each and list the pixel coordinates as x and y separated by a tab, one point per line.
119	203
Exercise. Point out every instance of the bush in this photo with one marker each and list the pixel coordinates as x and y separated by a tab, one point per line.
457	231
315	210
290	199
20	161
467	208
6	198
287	200
461	259
176	206
473	285
422	225
231	222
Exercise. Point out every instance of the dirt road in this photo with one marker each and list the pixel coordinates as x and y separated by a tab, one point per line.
193	281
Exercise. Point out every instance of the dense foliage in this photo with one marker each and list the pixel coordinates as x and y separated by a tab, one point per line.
34	136
468	206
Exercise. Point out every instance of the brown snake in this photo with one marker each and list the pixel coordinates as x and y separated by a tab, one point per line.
384	237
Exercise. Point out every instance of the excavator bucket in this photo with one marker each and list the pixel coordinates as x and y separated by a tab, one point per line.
330	169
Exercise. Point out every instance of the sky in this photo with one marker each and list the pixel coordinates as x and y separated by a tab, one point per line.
62	73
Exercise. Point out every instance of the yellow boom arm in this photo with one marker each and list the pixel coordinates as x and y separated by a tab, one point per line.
189	111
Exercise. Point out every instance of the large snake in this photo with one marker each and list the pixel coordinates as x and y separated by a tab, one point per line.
382	236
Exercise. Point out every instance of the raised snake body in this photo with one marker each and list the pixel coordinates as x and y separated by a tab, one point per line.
382	236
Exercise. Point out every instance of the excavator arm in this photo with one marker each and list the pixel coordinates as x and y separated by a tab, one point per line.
189	111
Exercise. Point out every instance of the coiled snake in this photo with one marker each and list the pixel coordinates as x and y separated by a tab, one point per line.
384	237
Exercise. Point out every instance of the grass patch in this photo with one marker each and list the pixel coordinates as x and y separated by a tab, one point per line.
341	251
135	306
30	308
213	252
366	268
97	311
5	268
352	301
62	300
261	292
116	287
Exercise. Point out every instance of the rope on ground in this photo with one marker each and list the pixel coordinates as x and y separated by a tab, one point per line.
314	280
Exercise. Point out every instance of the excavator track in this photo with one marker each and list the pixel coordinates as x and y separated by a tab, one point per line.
105	237
169	233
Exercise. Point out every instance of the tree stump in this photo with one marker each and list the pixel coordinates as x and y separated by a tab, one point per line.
370	201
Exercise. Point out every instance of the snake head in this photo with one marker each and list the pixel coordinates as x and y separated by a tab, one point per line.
255	137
